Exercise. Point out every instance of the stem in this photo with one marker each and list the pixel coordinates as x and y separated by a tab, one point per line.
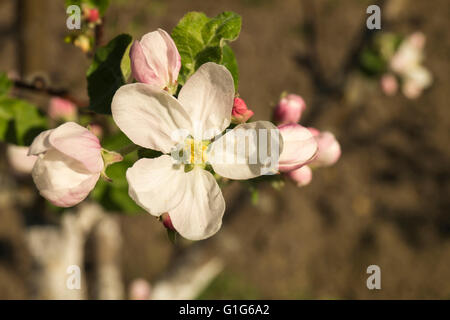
128	149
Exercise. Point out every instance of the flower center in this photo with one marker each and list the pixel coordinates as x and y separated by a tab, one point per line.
195	151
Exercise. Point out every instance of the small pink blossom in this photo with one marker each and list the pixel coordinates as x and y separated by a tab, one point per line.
155	60
93	15
389	84
140	289
417	40
69	163
301	176
240	112
289	109
62	109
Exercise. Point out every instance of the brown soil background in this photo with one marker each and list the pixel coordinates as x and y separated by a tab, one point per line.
385	202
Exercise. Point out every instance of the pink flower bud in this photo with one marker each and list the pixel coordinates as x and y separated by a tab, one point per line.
93	15
389	84
301	176
289	109
329	150
240	112
167	222
140	289
69	163
299	147
19	160
62	109
155	60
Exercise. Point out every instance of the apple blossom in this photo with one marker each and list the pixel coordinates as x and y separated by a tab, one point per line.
240	112
301	176
69	163
19	159
154	119
389	84
415	81
62	109
299	147
155	60
289	109
406	62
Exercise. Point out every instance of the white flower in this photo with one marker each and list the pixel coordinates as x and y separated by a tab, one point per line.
69	163
154	119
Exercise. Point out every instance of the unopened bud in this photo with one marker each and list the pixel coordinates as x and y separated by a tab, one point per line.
167	222
240	112
289	109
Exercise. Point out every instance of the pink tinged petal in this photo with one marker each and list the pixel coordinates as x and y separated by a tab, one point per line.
329	150
41	143
140	69
289	109
162	56
62	180
149	117
300	147
208	97
78	143
173	56
248	151
157	185
417	40
301	176
19	160
389	84
199	214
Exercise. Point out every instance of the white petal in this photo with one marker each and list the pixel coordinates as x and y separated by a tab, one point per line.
62	180
40	143
299	147
208	98
148	116
157	185
78	143
248	151
199	215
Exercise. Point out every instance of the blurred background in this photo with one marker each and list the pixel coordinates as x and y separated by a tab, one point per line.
386	202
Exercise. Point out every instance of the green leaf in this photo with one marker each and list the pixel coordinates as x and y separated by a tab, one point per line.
225	27
229	61
125	64
105	76
20	121
5	84
200	39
